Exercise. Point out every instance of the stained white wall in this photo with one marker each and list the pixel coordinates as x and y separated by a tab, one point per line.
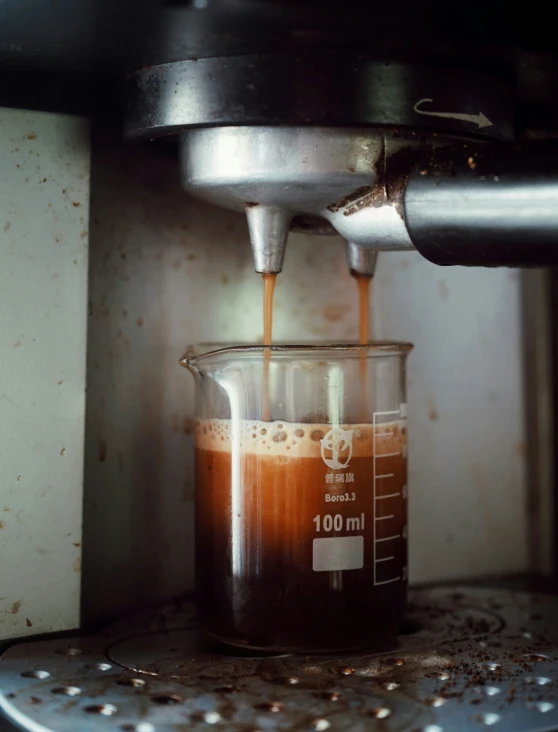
44	204
167	271
468	495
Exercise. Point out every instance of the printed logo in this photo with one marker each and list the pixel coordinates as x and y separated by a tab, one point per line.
337	448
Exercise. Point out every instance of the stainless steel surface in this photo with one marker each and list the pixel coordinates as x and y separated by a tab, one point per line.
351	179
269	228
487	205
362	260
471	657
319	85
458	203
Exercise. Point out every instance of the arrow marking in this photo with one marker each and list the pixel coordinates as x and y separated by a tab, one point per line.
480	119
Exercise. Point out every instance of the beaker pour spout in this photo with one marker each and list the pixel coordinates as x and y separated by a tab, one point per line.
190	362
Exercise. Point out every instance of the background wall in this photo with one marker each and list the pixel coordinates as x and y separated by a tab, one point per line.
167	271
44	207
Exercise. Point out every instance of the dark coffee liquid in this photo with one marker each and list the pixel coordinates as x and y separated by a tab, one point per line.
274	523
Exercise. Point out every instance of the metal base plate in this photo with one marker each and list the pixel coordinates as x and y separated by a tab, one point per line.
471	657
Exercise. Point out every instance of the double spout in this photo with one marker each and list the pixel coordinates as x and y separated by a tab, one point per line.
269	231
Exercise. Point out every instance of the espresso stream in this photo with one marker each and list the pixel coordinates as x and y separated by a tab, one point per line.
269	289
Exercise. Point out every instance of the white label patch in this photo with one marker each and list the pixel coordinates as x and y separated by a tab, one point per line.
338	553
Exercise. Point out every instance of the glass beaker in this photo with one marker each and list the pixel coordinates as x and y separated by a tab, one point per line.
301	494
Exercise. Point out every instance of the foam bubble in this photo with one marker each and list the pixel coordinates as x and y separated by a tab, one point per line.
290	440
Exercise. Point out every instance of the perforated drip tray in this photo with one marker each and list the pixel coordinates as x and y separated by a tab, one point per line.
477	657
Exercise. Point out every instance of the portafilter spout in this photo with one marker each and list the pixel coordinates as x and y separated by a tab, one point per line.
362	260
269	229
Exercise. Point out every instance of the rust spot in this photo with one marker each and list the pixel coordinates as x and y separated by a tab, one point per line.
139	322
351	168
397	172
334	313
16	606
251	204
363	197
7	226
189	425
77	543
102	451
32	136
76	203
392	176
28	623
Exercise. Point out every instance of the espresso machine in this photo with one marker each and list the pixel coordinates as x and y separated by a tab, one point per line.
144	151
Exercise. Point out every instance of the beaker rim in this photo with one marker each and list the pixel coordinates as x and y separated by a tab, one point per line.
204	351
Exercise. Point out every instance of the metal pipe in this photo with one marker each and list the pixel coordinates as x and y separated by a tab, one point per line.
493	205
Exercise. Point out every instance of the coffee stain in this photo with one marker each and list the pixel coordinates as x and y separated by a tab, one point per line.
7	226
334	313
16	607
189	425
2	524
32	136
77	543
433	413
28	623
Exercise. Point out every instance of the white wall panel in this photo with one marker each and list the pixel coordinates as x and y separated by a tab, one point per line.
44	206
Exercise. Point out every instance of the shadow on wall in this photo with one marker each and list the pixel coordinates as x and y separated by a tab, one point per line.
167	271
